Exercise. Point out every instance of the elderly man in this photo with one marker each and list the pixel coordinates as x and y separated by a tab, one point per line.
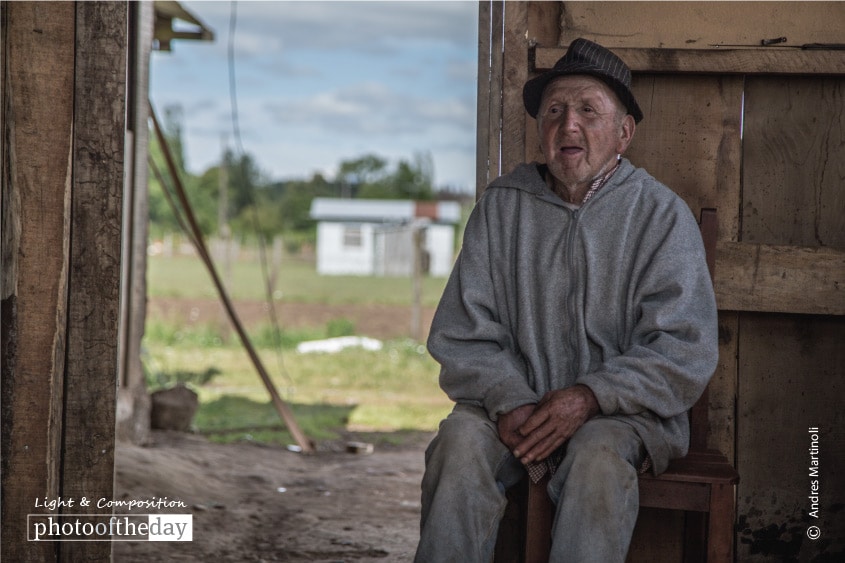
577	328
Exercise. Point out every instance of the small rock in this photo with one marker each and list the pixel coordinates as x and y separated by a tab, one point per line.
173	409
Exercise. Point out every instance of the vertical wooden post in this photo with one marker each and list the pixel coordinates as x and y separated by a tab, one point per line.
38	68
488	142
514	75
94	276
225	235
503	57
62	164
418	238
133	401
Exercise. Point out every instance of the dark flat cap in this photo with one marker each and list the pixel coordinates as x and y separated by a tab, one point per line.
585	57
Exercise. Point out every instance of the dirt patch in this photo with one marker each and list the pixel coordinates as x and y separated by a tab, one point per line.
264	503
253	502
374	320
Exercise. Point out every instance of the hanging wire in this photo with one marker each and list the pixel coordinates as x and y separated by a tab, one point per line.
262	246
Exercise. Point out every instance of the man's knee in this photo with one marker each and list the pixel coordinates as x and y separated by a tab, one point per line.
607	438
465	432
603	453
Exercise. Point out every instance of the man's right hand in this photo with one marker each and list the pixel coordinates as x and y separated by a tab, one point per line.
509	423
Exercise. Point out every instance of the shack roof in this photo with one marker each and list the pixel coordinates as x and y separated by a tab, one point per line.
384	210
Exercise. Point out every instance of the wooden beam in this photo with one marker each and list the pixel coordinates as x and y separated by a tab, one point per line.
514	75
488	138
93	301
37	107
543	29
782	279
698	25
768	60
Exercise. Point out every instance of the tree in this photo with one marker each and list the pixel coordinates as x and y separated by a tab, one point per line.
411	180
415	180
354	175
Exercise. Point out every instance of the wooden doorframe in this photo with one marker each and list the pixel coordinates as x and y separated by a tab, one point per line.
63	114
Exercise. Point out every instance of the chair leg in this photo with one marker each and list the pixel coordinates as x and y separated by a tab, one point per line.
538	538
695	537
510	540
720	544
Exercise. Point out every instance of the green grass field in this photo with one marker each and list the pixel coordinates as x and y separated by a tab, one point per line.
297	282
391	390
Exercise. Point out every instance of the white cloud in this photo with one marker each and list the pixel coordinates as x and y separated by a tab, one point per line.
372	108
263	27
320	82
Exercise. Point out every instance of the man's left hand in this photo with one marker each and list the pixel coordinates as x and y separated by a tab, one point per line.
557	417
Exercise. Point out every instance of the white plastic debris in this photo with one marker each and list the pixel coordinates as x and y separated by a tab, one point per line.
334	345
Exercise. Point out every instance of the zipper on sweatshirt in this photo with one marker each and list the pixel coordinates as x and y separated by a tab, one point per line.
571	305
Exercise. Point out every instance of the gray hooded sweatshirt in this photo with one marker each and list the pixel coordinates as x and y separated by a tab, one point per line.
615	295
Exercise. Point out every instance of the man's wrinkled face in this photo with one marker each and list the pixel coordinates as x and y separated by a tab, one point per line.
582	127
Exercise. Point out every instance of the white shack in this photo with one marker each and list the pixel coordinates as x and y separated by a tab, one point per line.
368	237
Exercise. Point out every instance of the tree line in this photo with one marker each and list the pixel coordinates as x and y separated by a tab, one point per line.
255	205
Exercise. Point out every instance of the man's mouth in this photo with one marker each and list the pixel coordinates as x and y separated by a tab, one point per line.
570	150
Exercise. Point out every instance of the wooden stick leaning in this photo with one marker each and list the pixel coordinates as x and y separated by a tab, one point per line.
281	407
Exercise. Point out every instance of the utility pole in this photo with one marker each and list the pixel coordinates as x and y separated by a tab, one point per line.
418	233
223	230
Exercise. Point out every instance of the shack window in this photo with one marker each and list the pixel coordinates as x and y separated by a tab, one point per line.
352	237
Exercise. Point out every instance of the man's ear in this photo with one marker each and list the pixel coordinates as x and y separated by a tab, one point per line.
626	133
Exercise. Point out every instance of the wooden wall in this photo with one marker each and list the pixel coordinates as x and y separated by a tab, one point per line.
62	122
756	132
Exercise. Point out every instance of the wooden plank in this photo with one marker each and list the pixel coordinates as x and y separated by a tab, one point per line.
490	84
693	148
721	522
792	163
785	279
544	22
98	151
722	388
133	412
792	378
515	73
674	495
482	133
38	70
695	25
543	29
717	61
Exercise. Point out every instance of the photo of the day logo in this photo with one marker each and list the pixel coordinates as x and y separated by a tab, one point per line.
107	527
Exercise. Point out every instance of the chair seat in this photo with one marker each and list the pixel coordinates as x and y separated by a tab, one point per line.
688	482
708	466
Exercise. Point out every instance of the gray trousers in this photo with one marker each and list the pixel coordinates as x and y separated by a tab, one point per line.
468	469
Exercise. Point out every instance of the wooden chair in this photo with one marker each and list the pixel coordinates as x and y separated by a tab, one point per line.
701	484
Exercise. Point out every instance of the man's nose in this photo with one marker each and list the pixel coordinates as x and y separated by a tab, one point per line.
571	119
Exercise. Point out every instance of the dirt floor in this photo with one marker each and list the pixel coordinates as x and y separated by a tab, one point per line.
258	503
264	503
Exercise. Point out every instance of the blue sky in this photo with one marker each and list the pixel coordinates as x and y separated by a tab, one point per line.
321	82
